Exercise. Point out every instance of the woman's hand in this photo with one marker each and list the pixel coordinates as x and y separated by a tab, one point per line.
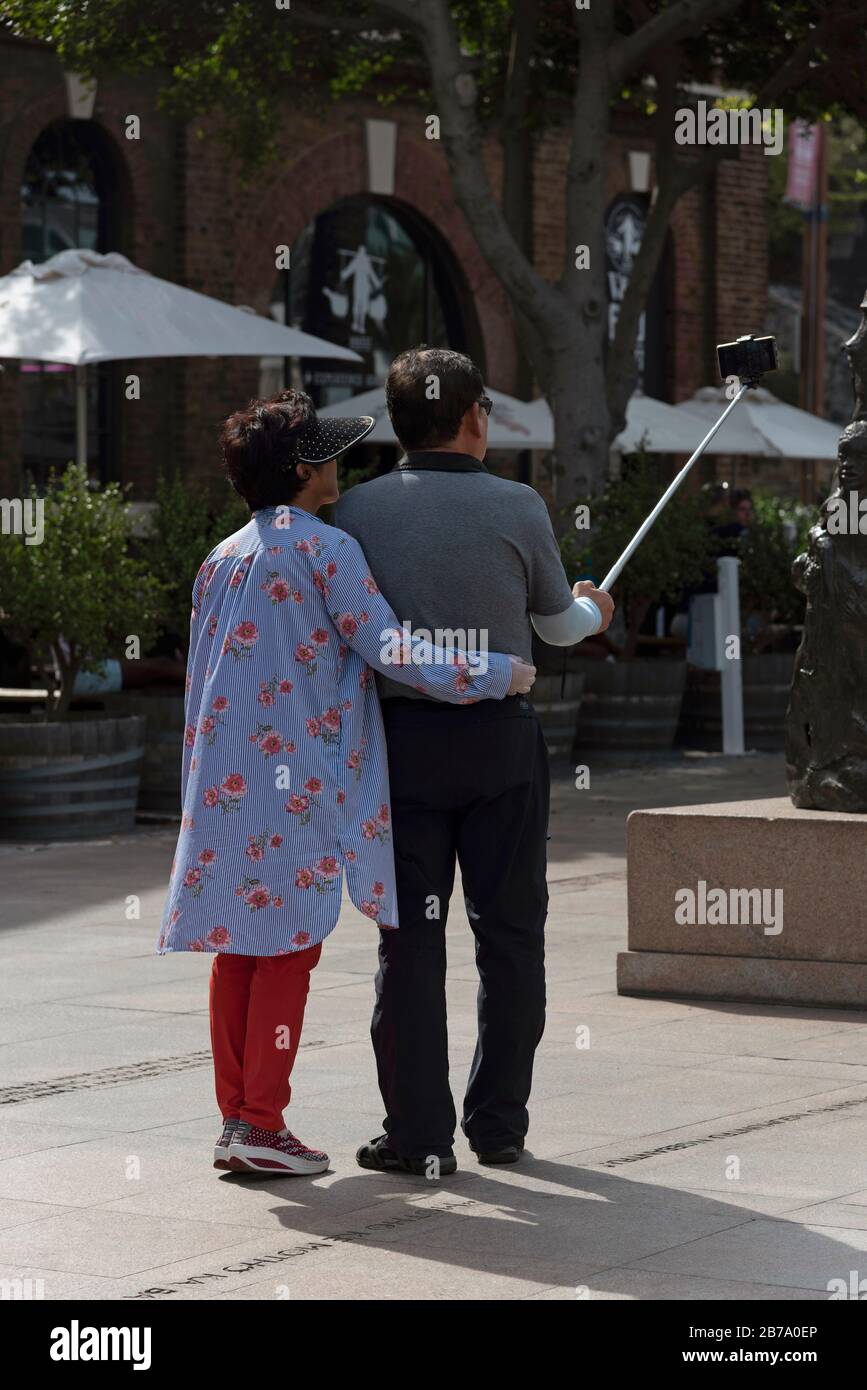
523	676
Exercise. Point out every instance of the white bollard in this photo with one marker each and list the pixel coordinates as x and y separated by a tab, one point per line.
731	688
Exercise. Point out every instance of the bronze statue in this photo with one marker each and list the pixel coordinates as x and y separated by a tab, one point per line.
826	722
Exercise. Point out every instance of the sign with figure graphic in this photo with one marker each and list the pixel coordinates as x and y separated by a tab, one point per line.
365	281
364	275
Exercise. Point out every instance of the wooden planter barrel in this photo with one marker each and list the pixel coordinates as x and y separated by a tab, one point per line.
557	702
71	780
767	680
629	704
163	712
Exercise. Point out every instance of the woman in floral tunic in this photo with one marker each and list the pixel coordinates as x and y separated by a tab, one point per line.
284	774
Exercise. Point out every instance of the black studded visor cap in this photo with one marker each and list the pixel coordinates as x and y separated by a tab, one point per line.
321	440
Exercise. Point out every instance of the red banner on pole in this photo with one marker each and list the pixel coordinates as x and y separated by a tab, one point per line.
803	165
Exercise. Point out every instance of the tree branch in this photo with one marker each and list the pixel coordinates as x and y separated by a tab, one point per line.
518	174
586	172
798	64
404	11
668	27
455	96
517	201
316	19
535	344
412	11
675	175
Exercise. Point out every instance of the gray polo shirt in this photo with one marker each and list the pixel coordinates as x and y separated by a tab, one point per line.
452	546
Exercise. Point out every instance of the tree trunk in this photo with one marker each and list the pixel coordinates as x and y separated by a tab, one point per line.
517	141
518	180
576	394
562	326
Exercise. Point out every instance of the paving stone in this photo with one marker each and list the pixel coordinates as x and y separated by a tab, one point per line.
779	1252
625	1191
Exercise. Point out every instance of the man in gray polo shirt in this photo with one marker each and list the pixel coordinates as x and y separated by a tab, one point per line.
457	549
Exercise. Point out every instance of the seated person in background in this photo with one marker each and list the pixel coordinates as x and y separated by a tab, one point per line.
131	675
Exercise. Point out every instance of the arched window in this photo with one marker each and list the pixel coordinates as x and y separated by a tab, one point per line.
370	274
69	199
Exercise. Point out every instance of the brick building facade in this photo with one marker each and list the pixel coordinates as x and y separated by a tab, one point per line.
182	212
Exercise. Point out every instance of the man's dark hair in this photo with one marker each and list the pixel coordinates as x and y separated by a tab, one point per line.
259	448
421	417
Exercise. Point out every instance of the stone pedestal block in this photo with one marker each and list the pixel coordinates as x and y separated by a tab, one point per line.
747	900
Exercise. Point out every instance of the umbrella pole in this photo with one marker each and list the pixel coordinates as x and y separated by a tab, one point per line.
81	416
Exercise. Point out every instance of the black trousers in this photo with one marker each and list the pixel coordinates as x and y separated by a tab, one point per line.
468	783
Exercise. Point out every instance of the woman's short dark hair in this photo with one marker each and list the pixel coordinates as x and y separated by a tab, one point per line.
259	448
426	419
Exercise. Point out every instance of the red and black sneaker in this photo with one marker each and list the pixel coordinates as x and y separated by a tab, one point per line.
221	1148
254	1150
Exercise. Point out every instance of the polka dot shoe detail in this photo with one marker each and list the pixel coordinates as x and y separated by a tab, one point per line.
255	1150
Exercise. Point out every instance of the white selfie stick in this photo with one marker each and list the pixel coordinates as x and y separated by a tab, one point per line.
645	526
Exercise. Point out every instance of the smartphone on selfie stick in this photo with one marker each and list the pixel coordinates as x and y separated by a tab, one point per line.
745	360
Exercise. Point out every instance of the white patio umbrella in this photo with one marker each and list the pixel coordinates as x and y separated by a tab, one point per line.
650	424
659	428
764	426
513	424
81	307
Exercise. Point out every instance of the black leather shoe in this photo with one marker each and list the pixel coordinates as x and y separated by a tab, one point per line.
510	1153
378	1155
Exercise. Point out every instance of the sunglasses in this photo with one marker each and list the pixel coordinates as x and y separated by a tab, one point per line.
486	403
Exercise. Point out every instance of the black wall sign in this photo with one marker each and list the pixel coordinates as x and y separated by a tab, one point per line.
625	221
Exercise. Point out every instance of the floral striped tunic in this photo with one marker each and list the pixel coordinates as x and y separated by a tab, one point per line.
284	772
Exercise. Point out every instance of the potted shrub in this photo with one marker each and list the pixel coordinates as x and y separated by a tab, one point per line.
772	612
76	599
631	701
184	528
772	609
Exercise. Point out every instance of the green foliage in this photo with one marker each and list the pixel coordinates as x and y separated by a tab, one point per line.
184	530
778	533
229	517
247	57
680	550
671	557
81	584
350	474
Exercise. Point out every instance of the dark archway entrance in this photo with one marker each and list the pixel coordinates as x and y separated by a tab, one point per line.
373	275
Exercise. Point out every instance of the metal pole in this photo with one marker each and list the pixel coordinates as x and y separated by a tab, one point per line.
81	415
820	277
731	688
645	526
287	309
